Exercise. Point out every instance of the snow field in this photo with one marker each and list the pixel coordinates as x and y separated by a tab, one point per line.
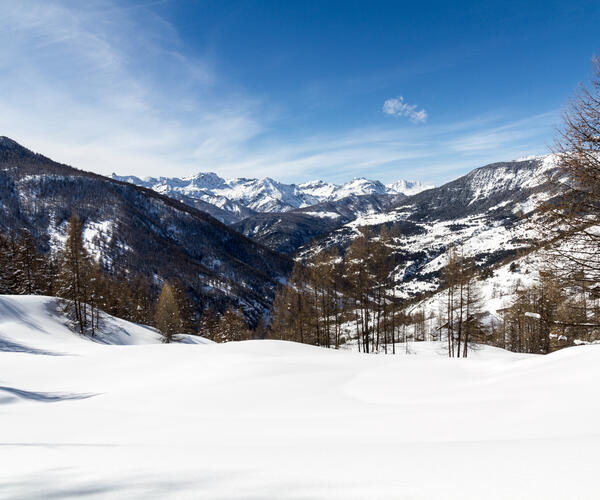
271	419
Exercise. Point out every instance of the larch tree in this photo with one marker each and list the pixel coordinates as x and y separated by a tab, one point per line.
209	323
575	213
232	327
167	317
74	273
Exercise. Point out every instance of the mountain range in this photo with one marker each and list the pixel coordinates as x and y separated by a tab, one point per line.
166	228
489	212
238	198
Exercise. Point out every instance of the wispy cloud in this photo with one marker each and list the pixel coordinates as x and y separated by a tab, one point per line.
397	107
111	88
434	153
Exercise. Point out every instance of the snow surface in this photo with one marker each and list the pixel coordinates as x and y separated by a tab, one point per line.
271	419
30	323
324	215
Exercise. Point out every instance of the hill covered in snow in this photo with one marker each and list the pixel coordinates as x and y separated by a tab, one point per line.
36	325
255	419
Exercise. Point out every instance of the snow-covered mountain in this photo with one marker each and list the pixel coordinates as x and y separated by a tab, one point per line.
407	187
489	211
137	231
242	197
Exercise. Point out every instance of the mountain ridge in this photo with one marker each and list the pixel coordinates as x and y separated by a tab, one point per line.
248	196
138	230
488	211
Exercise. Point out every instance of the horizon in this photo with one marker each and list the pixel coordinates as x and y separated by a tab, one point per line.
291	91
341	183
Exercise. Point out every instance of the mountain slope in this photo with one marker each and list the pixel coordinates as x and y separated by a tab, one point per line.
138	230
287	231
487	211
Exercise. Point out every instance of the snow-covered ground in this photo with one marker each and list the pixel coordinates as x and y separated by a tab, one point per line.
270	419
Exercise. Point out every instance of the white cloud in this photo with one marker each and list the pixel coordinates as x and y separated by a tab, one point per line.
397	107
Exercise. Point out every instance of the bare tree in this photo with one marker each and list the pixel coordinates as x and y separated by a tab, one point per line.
575	213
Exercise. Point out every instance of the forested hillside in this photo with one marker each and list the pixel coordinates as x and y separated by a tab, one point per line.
132	231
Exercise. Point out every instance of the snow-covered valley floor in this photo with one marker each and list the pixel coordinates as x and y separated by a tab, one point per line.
270	419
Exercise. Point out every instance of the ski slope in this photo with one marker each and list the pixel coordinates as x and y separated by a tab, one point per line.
129	417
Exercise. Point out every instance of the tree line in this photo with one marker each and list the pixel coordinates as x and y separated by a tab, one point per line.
331	300
328	292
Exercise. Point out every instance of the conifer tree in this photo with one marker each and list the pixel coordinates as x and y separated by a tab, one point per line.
209	323
232	327
74	273
167	317
187	311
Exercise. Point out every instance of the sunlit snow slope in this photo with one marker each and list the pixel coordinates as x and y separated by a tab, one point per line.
269	419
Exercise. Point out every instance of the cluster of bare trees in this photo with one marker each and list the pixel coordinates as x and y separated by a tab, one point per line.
87	288
227	327
330	299
463	305
550	314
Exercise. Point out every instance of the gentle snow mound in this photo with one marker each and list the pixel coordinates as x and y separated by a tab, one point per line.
30	323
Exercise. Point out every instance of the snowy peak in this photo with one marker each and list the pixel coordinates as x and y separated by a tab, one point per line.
319	189
266	194
361	186
203	180
408	187
508	177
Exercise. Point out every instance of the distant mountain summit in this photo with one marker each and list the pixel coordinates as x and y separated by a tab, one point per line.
408	187
243	197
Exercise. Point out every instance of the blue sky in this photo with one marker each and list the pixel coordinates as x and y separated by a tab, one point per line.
290	90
